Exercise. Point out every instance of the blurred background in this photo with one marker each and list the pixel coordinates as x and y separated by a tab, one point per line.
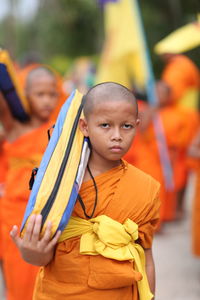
70	36
57	32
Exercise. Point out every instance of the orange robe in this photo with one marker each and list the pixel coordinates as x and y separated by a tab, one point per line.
182	76
73	276
144	153
196	216
3	168
22	156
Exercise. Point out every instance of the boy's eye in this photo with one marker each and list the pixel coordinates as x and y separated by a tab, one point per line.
104	125
39	94
127	126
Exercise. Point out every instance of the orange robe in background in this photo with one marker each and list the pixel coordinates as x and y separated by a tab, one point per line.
74	276
180	128
3	167
22	156
189	121
182	76
196	216
144	153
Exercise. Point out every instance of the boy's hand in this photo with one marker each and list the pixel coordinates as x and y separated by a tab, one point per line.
34	250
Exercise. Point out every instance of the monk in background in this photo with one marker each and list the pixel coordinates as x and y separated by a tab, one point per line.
114	197
2	184
183	77
194	152
144	152
24	146
22	74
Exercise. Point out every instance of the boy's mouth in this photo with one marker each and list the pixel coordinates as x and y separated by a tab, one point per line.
116	149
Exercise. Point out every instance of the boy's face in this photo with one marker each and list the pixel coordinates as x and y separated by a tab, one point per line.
42	95
111	128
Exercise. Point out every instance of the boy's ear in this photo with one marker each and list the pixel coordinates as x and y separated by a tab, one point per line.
137	122
83	127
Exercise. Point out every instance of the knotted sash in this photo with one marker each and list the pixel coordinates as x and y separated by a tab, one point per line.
111	239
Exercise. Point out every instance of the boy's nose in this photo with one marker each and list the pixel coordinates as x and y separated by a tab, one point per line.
47	99
116	135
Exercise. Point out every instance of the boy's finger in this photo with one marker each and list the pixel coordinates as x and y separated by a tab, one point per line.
36	229
47	235
14	235
54	241
29	228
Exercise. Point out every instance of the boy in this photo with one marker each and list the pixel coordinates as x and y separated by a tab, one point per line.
25	143
116	192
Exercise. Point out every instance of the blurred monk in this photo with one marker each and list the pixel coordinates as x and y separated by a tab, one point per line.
144	152
25	144
2	184
113	210
194	152
62	96
183	77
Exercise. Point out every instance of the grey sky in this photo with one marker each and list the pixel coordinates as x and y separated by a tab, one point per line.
25	8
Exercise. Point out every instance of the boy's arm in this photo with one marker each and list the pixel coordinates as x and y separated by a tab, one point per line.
150	269
34	250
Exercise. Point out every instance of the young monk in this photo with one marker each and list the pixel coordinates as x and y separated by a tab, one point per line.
25	144
120	201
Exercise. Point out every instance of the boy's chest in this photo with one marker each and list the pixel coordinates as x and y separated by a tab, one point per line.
115	202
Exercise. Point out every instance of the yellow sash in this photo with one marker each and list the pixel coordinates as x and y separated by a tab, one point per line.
111	239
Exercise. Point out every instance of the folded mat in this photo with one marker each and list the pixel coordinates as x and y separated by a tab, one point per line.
61	171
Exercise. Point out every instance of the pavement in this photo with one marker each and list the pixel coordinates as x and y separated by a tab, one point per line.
177	270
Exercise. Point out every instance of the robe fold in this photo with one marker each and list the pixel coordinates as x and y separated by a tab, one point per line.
74	276
22	156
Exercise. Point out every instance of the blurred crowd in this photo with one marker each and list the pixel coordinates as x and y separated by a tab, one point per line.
22	144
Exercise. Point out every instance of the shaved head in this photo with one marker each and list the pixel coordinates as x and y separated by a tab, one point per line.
107	91
37	73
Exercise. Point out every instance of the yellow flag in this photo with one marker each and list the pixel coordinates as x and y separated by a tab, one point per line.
122	57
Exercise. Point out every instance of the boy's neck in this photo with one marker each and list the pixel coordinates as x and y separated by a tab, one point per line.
36	122
98	167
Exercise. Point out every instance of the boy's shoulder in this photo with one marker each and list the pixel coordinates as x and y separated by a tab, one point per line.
140	180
